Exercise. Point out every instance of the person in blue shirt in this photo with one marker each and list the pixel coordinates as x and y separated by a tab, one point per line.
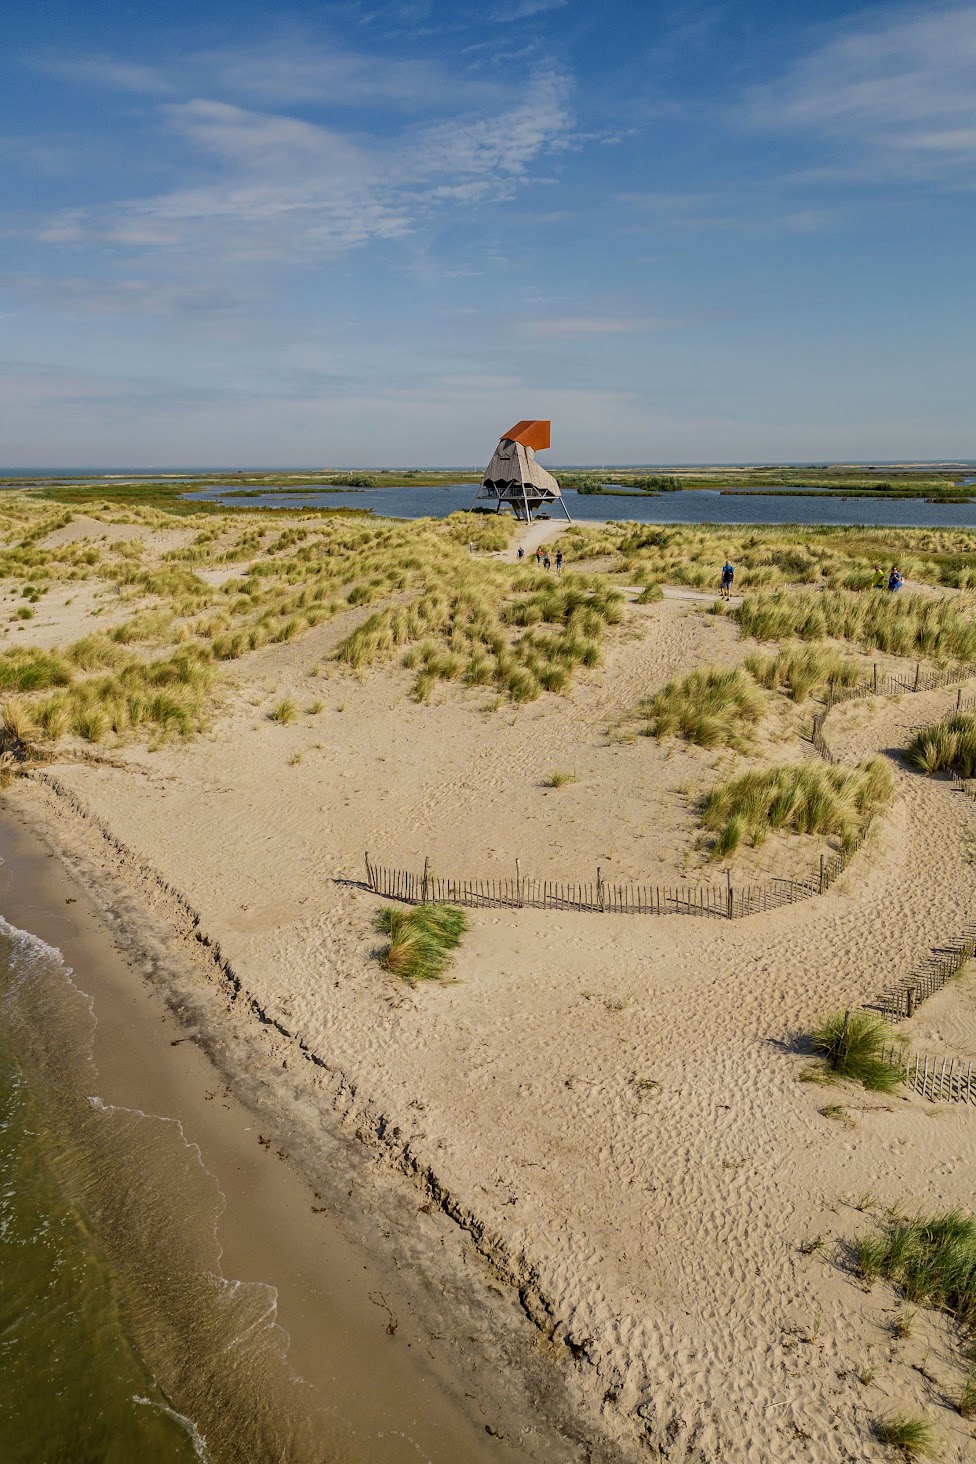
728	575
896	579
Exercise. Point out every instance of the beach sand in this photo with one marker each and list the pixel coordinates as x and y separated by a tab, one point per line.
603	1113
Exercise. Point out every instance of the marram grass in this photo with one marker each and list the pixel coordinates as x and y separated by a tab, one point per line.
914	1437
946	747
800	670
421	939
851	1044
712	708
800	798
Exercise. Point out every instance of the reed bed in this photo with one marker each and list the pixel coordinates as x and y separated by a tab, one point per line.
801	798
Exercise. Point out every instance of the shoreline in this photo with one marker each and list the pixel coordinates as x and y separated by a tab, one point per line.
311	1212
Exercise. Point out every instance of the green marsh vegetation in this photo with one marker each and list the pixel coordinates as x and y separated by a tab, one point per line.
799	798
422	940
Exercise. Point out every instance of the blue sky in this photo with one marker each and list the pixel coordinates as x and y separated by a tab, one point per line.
375	231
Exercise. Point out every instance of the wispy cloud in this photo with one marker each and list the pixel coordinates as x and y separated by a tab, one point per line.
525	9
901	90
282	188
591	327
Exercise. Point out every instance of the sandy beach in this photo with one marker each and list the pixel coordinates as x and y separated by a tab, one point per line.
601	1169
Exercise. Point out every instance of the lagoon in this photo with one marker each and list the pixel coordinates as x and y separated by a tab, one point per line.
689	506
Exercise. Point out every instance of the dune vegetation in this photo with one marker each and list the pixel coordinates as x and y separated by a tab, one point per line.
900	625
422	939
946	747
800	670
840	557
799	798
713	708
216	590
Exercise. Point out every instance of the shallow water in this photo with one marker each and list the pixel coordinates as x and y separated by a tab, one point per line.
73	1383
691	506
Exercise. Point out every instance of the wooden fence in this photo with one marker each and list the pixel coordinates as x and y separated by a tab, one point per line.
941	1079
724	902
900	999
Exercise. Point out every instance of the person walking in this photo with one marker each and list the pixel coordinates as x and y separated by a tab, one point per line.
559	561
547	563
538	555
728	575
878	583
521	553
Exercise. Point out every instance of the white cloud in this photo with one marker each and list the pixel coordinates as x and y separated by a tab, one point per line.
277	187
106	72
903	91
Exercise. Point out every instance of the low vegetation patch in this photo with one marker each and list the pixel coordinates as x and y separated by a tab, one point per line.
800	670
946	747
801	798
900	625
915	1437
712	708
851	1044
421	939
931	1260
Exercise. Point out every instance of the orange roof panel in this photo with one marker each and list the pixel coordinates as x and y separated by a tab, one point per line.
530	433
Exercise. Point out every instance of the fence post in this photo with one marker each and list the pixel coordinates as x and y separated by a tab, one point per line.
910	1002
822	886
958	698
728	881
423	893
875	678
370	877
599	888
518	883
918	671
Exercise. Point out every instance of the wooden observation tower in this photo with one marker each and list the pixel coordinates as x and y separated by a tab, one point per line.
513	477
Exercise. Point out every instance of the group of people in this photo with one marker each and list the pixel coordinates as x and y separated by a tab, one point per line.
892	581
543	561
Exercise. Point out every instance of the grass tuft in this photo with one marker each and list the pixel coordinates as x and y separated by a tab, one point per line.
850	1044
284	711
946	747
915	1437
557	780
803	798
421	939
712	708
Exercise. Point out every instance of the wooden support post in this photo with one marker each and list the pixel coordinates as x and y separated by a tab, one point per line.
918	672
728	881
910	1002
599	888
822	875
518	883
875	678
426	884
370	878
958	698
